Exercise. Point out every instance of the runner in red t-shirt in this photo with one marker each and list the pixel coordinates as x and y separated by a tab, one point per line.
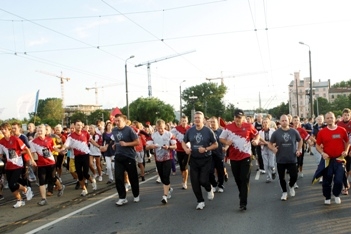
43	146
346	123
333	144
238	135
11	148
183	158
78	141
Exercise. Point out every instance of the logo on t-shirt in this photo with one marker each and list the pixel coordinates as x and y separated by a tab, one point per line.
336	136
286	136
119	136
12	154
198	138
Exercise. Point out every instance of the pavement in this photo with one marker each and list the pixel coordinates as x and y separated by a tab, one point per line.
10	216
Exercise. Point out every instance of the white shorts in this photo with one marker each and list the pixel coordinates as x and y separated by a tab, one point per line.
139	158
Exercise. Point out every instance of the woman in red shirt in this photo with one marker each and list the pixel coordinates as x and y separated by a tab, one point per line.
11	148
43	146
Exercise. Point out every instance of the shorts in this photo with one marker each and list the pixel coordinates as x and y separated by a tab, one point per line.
139	158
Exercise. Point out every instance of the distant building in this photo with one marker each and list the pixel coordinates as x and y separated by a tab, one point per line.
337	92
298	100
85	109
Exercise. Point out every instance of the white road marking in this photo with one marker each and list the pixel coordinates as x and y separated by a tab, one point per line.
80	210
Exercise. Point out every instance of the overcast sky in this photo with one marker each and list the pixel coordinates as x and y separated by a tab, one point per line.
256	42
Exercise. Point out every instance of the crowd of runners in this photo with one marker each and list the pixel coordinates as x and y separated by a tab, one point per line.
202	150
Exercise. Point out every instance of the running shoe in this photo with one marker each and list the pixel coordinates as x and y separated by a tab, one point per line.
93	184
337	200
19	203
43	202
29	194
292	191
84	193
60	192
284	196
210	194
137	199
121	202
200	206
164	199
77	185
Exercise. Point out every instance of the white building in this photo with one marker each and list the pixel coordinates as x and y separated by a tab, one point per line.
298	100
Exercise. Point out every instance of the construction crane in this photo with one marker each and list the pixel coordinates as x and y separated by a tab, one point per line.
225	77
97	88
62	79
148	63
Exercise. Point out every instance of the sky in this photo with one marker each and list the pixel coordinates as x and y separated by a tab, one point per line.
252	44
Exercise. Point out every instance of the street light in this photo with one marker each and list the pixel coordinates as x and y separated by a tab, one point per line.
311	85
180	99
125	70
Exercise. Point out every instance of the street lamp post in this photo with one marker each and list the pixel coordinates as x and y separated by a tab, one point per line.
180	99
125	70
311	84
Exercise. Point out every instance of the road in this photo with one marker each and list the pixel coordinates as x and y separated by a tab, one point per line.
304	213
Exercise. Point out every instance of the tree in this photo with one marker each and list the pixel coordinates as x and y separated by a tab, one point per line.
342	84
277	111
208	99
323	106
150	109
339	104
50	111
98	115
229	112
79	116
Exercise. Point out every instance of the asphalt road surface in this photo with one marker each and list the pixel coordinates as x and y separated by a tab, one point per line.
266	213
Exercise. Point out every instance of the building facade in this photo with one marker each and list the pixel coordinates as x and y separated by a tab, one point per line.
299	103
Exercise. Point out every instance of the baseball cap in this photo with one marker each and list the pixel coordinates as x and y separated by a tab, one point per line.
238	113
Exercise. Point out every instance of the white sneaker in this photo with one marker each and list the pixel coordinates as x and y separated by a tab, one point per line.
137	199
284	196
184	186
215	189
29	194
327	202
19	204
158	180
170	193
93	184
220	190
301	175
164	199
84	193
100	178
121	202
200	206
210	194
337	200
296	186
292	191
